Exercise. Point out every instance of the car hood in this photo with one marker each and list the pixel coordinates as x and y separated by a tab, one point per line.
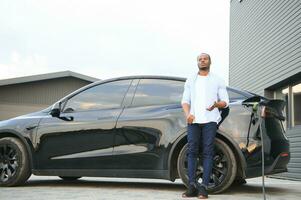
21	122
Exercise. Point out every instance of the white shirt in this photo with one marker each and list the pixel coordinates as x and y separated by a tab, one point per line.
200	93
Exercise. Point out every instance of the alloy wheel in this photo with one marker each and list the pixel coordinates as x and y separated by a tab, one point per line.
223	170
8	162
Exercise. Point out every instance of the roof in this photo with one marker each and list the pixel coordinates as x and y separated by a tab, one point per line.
139	77
41	77
147	77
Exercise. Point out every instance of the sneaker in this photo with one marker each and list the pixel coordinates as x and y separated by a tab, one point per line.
191	191
202	192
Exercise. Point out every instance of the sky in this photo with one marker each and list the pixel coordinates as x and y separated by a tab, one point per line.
113	38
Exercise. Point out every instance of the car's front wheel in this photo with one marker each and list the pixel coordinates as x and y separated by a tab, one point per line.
223	171
14	162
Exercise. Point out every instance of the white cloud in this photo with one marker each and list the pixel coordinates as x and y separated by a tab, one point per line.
110	38
20	65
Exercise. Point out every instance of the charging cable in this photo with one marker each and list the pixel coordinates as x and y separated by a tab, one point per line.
257	111
262	156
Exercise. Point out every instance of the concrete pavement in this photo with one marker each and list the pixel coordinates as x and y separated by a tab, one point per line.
53	188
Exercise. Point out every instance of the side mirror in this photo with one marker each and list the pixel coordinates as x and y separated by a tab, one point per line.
55	110
251	100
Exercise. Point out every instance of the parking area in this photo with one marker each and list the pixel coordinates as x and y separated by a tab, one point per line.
53	188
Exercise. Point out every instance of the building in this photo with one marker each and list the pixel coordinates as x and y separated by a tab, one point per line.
265	58
32	93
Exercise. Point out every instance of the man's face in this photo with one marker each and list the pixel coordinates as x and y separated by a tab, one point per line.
204	62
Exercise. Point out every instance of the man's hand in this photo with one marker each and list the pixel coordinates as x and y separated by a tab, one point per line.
212	107
219	104
189	118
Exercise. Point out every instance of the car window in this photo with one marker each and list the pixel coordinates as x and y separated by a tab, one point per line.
234	95
103	96
158	92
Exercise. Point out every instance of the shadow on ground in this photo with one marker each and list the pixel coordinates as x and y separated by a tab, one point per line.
104	184
249	188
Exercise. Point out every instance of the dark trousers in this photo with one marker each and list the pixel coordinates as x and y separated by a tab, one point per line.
201	139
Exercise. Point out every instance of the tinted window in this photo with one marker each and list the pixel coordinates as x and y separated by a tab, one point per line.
158	92
296	89
282	93
234	95
107	95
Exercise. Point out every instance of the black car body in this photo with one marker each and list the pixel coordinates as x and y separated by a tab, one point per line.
135	127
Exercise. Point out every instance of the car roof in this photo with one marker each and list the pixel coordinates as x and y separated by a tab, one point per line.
245	93
143	77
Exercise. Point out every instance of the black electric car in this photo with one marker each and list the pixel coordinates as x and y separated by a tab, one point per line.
135	127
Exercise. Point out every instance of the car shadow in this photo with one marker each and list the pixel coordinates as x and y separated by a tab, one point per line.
104	184
82	183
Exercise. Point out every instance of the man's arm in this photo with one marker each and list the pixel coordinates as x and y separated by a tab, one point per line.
186	101
222	96
186	109
218	104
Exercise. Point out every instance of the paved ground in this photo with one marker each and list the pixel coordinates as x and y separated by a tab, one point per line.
53	188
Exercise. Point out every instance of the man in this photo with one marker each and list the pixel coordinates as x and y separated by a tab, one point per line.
204	94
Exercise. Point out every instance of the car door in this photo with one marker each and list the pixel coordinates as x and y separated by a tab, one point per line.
82	137
146	128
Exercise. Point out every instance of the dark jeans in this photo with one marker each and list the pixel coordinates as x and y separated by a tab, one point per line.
201	137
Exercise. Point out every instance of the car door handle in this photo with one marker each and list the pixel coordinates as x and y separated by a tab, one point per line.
31	127
68	118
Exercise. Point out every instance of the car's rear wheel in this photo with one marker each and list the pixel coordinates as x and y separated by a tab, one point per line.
69	178
14	162
224	167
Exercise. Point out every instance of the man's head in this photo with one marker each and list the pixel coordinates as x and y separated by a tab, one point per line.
204	61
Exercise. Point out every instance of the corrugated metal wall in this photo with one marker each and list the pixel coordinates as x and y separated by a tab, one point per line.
294	166
10	110
265	49
264	42
28	97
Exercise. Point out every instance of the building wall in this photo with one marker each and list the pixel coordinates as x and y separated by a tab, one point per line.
18	99
264	43
265	58
10	110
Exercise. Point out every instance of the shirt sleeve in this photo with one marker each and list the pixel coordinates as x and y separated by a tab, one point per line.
222	93
186	98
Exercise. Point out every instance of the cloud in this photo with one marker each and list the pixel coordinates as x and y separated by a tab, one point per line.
22	65
112	38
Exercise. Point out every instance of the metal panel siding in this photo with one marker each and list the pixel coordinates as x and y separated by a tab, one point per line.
40	92
265	49
265	43
294	166
23	98
9	110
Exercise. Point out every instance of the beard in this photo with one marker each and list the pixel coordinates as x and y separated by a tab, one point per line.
203	68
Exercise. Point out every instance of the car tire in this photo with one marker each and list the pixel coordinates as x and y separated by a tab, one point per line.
69	178
239	181
14	162
224	167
